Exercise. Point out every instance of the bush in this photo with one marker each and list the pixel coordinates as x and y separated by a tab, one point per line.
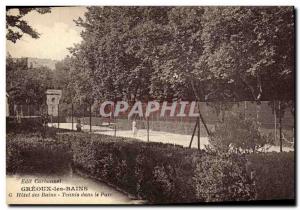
274	175
31	154
159	173
31	126
230	184
237	134
25	125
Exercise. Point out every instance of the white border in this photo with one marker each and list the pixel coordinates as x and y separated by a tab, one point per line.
152	2
3	4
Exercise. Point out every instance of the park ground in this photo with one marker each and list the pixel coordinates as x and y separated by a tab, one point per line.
156	136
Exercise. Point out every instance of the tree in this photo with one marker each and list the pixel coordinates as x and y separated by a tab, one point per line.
218	53
178	55
207	54
26	85
16	27
251	51
110	53
245	46
63	78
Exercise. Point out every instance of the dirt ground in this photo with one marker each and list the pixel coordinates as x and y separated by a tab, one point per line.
155	136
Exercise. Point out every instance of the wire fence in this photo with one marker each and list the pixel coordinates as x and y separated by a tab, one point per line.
71	116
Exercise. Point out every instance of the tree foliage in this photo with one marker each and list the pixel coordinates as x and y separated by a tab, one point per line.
27	85
203	53
15	25
250	50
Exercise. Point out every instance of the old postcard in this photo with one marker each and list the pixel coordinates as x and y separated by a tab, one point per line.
144	105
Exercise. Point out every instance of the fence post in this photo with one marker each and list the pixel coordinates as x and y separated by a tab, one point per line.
148	129
280	125
57	115
72	117
275	121
245	110
90	117
257	112
114	119
196	125
198	118
199	147
115	127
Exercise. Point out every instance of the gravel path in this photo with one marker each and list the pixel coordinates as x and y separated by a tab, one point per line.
156	136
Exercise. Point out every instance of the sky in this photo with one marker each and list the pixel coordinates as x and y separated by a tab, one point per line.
58	32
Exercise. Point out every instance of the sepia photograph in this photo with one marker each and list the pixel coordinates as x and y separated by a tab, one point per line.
150	105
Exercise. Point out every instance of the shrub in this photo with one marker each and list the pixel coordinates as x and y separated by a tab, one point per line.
31	154
274	175
13	156
26	125
223	180
238	135
160	173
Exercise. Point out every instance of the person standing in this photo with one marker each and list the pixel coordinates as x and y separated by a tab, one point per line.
78	125
134	128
